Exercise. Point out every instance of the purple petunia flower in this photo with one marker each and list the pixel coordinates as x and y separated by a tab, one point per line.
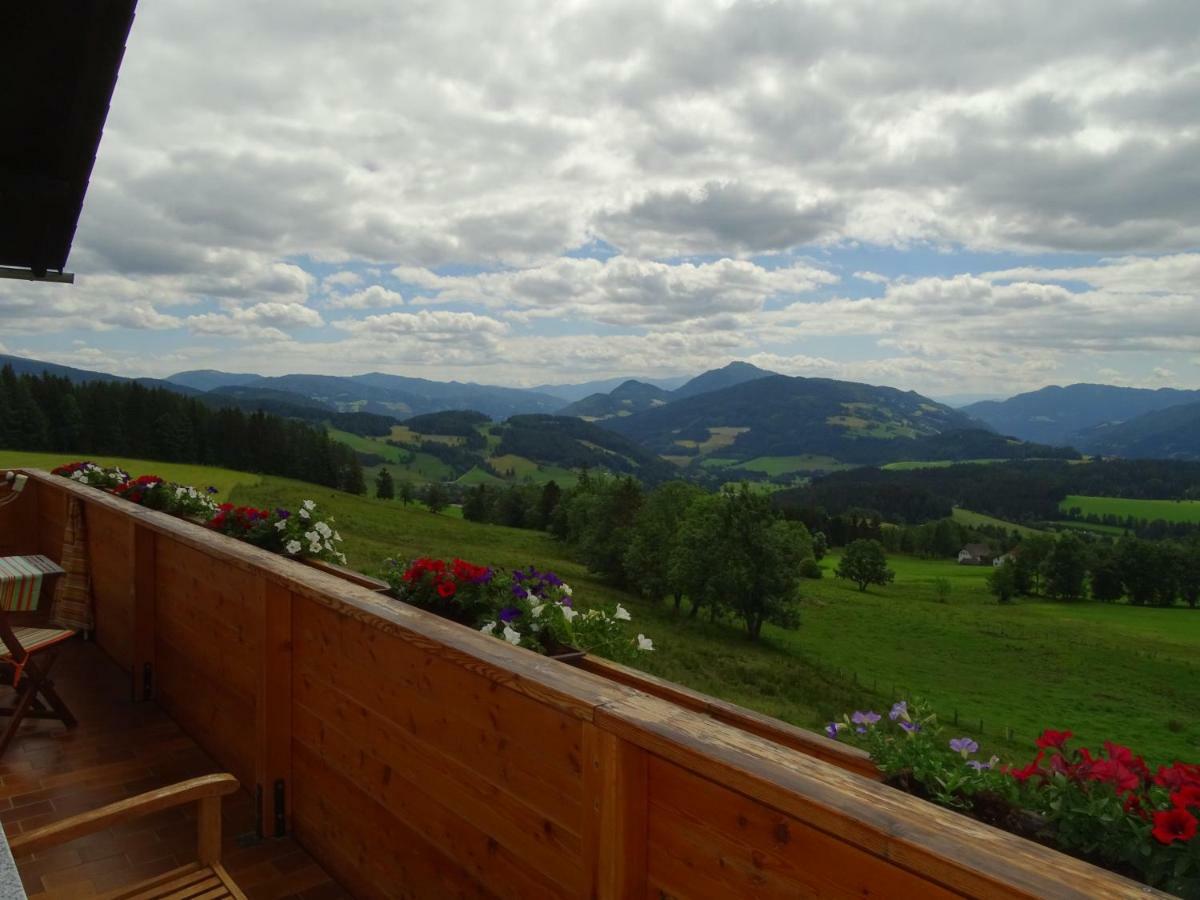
282	513
910	727
963	745
211	490
832	730
509	613
978	766
865	718
899	711
861	729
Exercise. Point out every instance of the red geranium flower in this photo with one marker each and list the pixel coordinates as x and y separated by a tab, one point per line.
1188	795
1115	773
1177	776
1056	739
1174	825
1034	768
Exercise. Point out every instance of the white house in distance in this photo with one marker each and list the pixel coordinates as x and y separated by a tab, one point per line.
976	555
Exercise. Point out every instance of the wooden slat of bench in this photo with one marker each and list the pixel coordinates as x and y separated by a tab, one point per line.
190	882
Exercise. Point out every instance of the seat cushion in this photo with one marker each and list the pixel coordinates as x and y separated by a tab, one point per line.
34	639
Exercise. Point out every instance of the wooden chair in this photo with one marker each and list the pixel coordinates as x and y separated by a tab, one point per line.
205	879
28	651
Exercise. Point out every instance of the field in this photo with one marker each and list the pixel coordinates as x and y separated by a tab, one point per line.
908	465
1104	671
224	480
974	519
1167	510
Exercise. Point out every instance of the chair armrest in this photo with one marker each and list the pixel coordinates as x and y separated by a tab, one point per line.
190	791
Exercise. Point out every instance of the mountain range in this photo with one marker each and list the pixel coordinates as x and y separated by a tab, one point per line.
1100	419
735	416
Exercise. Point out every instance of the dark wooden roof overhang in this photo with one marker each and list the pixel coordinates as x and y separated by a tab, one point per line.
58	67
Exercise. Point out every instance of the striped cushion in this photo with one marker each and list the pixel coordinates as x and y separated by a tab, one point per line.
21	581
33	639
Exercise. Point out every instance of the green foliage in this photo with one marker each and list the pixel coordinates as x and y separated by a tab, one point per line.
1065	569
407	494
435	497
1002	581
113	418
865	563
385	487
656	538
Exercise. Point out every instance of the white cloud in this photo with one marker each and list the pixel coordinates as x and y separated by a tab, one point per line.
373	297
626	291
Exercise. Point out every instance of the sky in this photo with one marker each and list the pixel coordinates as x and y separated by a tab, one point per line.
950	197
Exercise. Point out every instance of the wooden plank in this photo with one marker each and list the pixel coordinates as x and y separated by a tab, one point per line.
481	844
388	752
702	834
531	747
615	837
110	552
273	704
839	754
374	854
950	850
549	682
144	606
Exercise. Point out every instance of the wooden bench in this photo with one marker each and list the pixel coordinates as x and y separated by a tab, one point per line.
205	879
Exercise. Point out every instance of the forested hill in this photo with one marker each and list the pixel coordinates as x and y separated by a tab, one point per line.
779	415
1171	433
1058	415
124	418
573	443
1016	491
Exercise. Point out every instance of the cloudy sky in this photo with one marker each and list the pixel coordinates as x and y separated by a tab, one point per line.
954	197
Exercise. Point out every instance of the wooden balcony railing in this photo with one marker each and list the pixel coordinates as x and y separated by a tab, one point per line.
414	757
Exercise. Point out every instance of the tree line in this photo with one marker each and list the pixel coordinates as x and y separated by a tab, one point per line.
48	413
1145	573
731	554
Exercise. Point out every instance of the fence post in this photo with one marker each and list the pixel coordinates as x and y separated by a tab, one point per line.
616	798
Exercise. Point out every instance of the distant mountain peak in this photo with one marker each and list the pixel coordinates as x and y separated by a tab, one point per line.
735	372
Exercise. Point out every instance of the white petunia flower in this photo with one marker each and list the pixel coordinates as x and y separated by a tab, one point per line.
566	589
489	628
304	514
644	643
314	548
622	614
312	537
280	525
536	611
324	529
569	614
309	504
336	536
511	635
293	547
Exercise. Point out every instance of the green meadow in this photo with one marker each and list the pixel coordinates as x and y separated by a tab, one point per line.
1167	510
1104	671
224	480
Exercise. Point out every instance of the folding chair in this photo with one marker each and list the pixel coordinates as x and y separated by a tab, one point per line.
29	651
205	879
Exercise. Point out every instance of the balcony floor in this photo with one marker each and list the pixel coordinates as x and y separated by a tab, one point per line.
119	749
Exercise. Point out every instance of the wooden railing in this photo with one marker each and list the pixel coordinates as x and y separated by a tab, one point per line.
414	757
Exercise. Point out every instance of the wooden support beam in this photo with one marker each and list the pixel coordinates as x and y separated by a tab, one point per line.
615	831
273	710
144	586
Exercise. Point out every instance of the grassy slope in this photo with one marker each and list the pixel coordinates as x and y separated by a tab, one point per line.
1168	510
198	476
1117	672
966	517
